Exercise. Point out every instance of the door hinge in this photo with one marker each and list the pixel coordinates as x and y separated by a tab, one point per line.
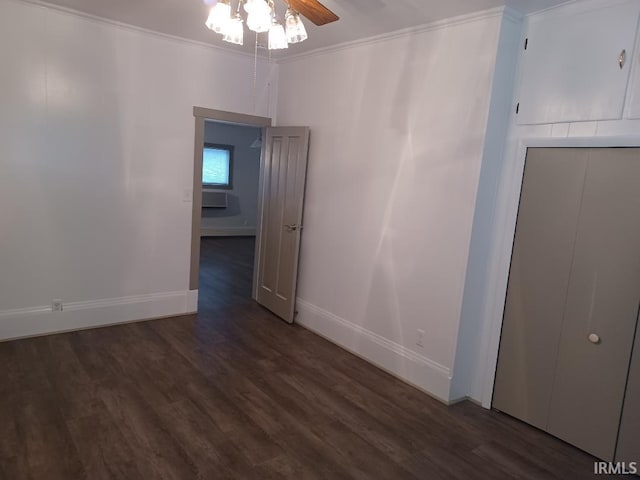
518	108
526	43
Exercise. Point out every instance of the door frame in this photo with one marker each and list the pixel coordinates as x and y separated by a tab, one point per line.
508	199
201	116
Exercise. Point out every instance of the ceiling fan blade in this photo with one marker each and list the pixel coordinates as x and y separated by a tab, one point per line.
314	11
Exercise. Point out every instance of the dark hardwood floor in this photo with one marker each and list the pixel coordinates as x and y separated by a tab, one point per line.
236	393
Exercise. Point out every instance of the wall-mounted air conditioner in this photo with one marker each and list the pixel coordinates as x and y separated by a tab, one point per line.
214	199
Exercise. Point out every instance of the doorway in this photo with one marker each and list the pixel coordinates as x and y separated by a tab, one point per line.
230	209
230	181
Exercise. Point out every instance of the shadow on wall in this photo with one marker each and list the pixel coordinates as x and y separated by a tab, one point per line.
232	209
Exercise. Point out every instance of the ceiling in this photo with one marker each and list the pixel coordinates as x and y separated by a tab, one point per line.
358	18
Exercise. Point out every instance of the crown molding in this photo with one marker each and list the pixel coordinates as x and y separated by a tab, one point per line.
405	32
127	26
573	7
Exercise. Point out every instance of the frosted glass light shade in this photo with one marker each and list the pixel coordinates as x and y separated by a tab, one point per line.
295	31
234	32
277	37
219	17
258	15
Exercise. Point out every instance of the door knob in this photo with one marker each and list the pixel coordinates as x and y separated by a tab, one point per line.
292	227
594	338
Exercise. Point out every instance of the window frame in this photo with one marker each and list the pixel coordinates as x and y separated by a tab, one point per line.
228	148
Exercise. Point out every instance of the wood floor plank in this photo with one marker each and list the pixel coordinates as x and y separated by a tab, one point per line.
318	457
27	369
103	450
381	431
287	467
45	445
155	451
75	391
522	464
231	419
364	460
210	449
439	463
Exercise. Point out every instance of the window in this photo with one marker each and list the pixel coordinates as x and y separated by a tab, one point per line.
217	163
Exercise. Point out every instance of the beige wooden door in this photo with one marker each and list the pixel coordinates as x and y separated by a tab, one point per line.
280	224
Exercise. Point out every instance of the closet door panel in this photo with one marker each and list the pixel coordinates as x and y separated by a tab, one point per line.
602	300
538	280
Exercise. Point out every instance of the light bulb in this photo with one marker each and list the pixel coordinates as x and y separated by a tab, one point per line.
259	17
277	37
219	17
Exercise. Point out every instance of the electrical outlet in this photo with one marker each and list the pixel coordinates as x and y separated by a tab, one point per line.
56	305
420	338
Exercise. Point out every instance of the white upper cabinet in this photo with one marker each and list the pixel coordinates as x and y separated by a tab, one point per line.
633	94
576	63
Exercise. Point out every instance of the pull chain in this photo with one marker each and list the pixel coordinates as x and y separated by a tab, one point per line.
255	74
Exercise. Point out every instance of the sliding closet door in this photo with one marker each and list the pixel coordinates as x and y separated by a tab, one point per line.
602	305
538	282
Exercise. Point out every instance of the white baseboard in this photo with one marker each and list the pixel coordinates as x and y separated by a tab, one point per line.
228	232
28	322
411	367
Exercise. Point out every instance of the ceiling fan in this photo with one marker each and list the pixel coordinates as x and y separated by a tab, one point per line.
316	12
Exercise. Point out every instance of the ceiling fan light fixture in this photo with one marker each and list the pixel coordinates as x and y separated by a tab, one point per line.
277	37
234	32
295	31
261	17
219	17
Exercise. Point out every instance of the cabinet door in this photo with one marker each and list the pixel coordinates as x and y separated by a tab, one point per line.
633	94
602	300
569	71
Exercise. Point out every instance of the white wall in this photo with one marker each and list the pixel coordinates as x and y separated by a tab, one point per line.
397	141
240	216
96	162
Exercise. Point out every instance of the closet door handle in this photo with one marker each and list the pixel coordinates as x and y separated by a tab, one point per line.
594	338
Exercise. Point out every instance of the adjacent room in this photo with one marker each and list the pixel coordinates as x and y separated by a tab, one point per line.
230	180
299	239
